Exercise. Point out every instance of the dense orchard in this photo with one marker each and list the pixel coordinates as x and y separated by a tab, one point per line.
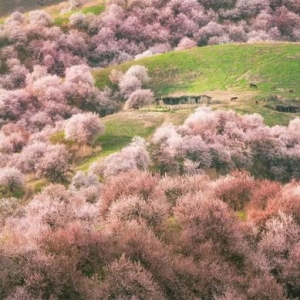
140	234
144	222
47	104
129	29
225	141
155	238
44	105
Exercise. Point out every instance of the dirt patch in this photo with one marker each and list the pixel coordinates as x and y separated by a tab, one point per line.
226	96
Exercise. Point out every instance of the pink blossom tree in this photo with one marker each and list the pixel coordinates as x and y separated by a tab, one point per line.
79	85
186	43
78	20
11	178
133	80
54	164
115	76
83	128
129	84
132	279
133	157
40	18
107	101
140	72
139	98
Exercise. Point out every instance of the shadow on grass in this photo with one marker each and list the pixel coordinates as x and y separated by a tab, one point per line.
112	142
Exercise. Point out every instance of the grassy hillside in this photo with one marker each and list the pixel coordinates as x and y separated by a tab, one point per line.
221	67
225	71
220	71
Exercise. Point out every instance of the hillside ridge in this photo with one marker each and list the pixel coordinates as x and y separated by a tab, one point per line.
219	67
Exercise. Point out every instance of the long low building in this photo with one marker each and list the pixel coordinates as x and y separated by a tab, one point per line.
182	100
289	109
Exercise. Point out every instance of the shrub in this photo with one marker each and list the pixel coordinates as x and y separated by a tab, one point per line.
11	178
83	128
139	99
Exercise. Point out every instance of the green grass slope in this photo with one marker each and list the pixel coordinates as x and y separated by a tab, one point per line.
220	67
